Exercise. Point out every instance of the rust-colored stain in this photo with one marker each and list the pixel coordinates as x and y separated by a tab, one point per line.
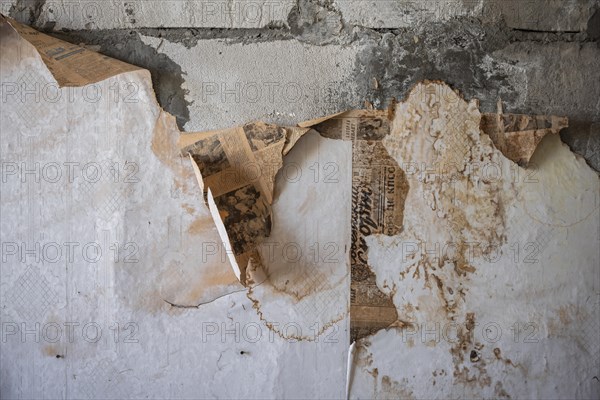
466	208
500	392
374	373
386	387
278	331
302	286
52	350
564	318
188	208
436	373
200	226
393	389
164	147
475	374
508	361
309	280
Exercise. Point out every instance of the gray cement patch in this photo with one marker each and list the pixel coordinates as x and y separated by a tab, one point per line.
531	71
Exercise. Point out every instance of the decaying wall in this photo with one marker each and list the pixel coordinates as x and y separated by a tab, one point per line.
539	56
121	286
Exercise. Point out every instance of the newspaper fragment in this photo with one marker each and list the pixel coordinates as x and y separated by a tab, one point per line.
452	267
71	65
236	171
379	188
518	135
238	168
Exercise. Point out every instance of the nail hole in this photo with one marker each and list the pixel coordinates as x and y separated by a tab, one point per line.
474	356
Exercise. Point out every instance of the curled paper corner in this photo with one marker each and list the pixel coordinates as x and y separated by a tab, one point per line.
224	237
214	211
517	136
236	170
293	134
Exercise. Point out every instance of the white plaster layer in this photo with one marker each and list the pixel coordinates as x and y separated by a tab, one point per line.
495	274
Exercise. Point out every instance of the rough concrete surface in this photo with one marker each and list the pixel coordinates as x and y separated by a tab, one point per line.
536	15
280	81
210	71
486	49
102	14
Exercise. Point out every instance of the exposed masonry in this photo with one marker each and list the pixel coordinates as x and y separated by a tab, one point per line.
27	11
480	57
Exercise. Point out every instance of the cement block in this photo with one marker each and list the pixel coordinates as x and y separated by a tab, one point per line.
545	15
102	14
404	13
537	15
280	81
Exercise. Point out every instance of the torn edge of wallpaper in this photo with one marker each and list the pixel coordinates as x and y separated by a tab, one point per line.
70	64
236	170
518	135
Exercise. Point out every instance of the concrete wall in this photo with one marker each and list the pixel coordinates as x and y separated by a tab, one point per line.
216	63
